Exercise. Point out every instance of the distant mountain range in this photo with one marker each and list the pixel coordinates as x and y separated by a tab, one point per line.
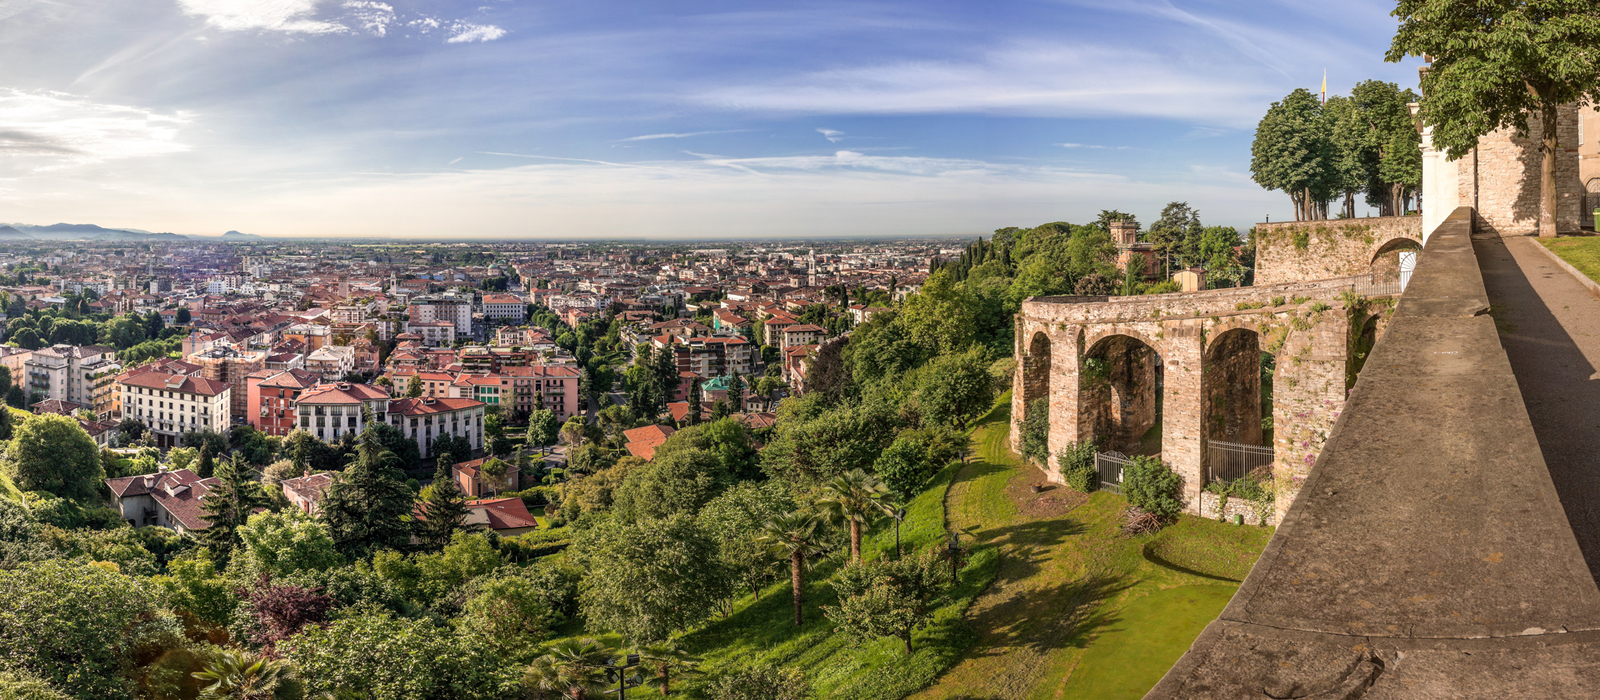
92	232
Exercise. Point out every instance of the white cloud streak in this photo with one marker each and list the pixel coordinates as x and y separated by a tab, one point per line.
291	16
466	32
831	135
51	129
691	134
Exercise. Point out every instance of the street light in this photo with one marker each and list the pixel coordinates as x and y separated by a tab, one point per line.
623	681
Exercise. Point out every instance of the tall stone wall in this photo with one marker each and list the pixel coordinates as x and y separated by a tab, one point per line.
1292	251
1502	178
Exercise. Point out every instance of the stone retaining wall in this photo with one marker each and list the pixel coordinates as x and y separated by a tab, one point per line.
1292	251
1236	506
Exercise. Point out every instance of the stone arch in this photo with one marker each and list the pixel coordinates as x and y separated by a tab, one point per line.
1036	370
1230	388
1591	195
1089	338
1119	379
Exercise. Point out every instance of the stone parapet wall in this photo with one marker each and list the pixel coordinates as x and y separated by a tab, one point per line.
1291	251
1235	506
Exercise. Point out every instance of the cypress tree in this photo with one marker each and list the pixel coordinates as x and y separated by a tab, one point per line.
228	504
446	511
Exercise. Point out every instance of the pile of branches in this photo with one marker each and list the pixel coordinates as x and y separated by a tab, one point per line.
1138	521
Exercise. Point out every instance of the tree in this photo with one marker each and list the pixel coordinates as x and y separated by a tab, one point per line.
574	668
494	430
904	469
694	401
205	466
543	429
414	386
514	609
677	482
183	316
444	508
888	598
1293	152
853	498
648	580
572	432
1495	66
67	622
228	505
377	655
760	682
957	388
664	661
368	505
241	675
796	537
280	544
734	521
51	453
21	685
1152	486
281	611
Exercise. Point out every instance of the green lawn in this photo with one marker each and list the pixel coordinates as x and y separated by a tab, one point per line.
1583	252
1077	609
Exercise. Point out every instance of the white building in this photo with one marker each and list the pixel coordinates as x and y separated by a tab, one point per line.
333	362
425	419
456	310
83	375
173	404
331	410
504	308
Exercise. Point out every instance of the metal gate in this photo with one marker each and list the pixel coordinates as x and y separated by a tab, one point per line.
1109	466
1226	461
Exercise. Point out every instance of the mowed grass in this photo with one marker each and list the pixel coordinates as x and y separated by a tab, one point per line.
1077	609
1583	252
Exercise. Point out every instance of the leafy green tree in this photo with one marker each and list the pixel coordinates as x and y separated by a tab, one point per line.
368	505
648	580
760	682
1496	66
280	544
678	482
205	467
813	445
514	610
191	586
19	536
494	433
734	521
383	657
183	317
51	453
69	623
853	498
888	598
414	387
957	388
543	429
797	537
1294	152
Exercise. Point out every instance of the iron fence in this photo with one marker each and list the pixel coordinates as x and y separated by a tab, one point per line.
1109	466
1226	461
1379	285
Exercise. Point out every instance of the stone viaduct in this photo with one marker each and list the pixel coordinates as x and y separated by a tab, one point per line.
1112	369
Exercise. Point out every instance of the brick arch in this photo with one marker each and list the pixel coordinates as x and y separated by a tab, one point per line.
1250	323
1089	340
1117	409
1389	244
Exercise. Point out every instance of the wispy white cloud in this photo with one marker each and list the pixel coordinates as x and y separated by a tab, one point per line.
831	135
1094	146
56	128
652	137
293	16
374	17
1026	78
466	32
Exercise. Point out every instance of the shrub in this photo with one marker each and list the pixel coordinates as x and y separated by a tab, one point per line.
1077	467
1278	301
761	682
1153	487
1036	432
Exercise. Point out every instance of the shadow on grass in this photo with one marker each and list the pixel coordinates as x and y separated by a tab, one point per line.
1150	555
1051	617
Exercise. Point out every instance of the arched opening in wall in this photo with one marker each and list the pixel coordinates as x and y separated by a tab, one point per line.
1394	261
1232	427
1363	335
1120	400
1035	437
1591	198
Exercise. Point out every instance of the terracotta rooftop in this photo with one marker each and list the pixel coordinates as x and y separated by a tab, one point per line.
642	442
424	406
181	383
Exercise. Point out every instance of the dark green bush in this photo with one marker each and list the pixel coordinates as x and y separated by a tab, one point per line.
1077	467
1036	432
1152	486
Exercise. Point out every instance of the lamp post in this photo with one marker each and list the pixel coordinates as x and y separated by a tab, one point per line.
623	684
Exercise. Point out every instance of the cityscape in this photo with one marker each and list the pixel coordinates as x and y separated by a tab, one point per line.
859	414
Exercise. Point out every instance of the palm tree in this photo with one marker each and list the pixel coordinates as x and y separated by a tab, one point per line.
240	675
855	498
794	535
664	661
575	668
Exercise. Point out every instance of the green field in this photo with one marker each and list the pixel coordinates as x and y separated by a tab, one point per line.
1078	610
1582	252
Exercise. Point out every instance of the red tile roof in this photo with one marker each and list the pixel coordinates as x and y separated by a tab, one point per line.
342	393
183	384
505	513
424	406
642	442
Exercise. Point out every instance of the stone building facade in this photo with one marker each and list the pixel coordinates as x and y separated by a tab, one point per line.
1500	179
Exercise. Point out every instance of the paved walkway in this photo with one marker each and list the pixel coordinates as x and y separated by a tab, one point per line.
1550	327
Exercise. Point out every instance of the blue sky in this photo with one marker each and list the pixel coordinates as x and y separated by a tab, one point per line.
688	118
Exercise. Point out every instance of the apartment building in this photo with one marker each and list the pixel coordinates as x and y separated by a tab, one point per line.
444	307
504	308
332	362
425	419
172	404
711	356
232	366
329	411
84	375
803	334
272	395
432	334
